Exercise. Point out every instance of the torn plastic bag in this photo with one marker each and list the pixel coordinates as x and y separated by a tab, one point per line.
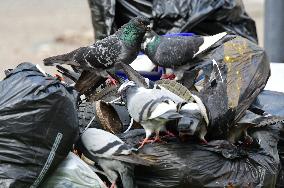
204	17
38	125
230	84
73	173
218	164
272	102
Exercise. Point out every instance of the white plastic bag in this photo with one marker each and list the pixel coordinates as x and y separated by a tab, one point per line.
73	173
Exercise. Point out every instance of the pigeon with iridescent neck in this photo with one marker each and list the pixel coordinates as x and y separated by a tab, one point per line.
176	51
102	57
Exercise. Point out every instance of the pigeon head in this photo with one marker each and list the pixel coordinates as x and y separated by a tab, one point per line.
164	109
188	125
192	122
141	21
132	33
192	116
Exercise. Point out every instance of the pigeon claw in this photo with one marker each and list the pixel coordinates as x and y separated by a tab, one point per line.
143	143
168	133
168	76
248	140
147	141
111	81
203	141
113	185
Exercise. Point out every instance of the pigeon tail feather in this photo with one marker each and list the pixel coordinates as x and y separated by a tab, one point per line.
209	41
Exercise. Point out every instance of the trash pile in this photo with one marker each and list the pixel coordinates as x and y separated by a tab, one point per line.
204	17
39	125
188	112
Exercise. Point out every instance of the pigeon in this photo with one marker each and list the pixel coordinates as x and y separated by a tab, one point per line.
112	155
104	55
152	108
174	52
253	119
193	122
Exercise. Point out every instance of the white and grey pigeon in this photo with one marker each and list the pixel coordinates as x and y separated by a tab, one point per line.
176	51
112	155
194	121
152	108
102	57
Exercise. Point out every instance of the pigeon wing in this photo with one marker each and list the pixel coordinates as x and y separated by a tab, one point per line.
176	51
102	144
102	54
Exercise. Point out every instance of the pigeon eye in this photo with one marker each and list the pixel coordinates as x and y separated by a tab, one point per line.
167	101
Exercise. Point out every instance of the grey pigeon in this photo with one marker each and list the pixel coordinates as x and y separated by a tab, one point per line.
112	155
193	122
152	108
121	47
173	52
251	120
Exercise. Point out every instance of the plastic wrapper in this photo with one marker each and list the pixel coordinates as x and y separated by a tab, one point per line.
217	164
204	17
230	85
38	125
73	173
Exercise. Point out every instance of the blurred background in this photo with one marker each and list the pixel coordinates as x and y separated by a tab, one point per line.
32	30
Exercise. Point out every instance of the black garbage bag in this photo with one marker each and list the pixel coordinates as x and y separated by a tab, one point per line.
204	17
217	164
227	78
272	102
38	126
